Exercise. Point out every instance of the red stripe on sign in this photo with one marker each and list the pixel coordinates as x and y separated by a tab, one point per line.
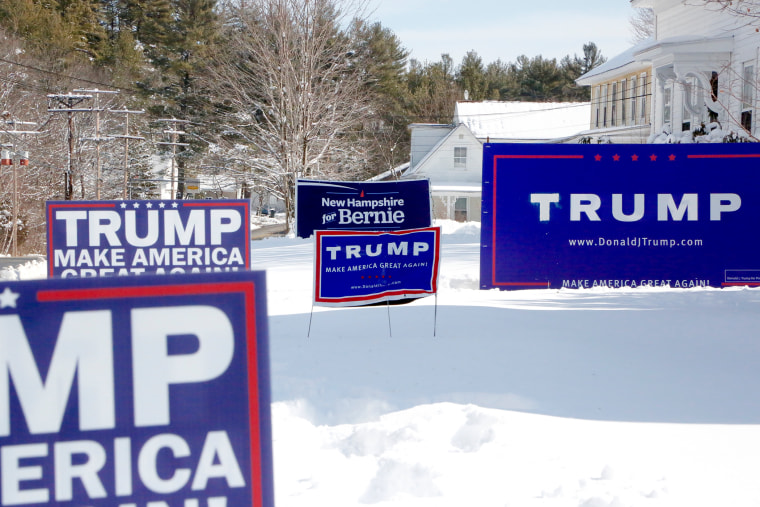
569	157
493	215
523	284
730	155
248	291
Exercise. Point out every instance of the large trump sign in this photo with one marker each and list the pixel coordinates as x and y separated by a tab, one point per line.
362	206
359	268
146	391
102	238
583	216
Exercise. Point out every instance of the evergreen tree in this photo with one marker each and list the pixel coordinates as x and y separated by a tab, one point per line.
40	26
434	90
500	82
540	79
471	77
83	20
151	22
178	38
574	67
382	60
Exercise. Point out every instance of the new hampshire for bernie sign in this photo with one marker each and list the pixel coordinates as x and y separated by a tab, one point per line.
582	216
362	205
101	238
147	391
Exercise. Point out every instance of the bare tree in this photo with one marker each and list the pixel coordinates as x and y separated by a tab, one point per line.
642	25
745	8
294	94
24	89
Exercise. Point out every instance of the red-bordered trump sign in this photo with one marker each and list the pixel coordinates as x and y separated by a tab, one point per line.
584	216
357	268
135	391
107	238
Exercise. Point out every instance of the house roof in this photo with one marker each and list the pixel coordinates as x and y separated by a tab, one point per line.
526	121
435	148
644	51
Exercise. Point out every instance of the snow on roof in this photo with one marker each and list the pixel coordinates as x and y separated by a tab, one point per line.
456	188
523	120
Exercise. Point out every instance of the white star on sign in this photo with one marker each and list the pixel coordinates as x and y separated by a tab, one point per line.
149	205
162	205
123	205
8	298
174	205
136	205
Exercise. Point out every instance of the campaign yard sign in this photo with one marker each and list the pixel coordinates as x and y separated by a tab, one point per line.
582	216
147	391
356	268
362	206
105	238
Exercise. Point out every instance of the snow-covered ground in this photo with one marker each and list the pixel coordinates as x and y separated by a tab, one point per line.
587	398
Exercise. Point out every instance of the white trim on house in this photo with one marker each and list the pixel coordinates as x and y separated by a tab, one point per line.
697	61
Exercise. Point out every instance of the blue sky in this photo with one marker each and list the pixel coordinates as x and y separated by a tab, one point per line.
506	29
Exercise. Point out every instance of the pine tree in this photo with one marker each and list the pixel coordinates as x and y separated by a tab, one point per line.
434	90
379	55
540	78
471	77
83	20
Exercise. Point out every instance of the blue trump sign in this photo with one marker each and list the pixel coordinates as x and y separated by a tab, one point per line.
582	216
102	238
362	206
135	391
357	268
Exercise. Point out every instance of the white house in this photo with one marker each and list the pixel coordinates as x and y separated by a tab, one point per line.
451	156
621	100
695	78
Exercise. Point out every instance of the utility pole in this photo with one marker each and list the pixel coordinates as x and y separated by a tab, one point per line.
97	137
174	133
66	103
7	159
126	138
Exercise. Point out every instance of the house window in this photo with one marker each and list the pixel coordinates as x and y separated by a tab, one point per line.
667	105
714	86
605	89
643	96
460	156
597	93
460	209
613	117
633	100
623	118
748	96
